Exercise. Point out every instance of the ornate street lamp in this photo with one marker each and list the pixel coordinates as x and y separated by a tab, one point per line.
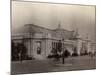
61	43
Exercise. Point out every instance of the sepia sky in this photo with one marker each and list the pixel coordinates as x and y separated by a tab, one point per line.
50	15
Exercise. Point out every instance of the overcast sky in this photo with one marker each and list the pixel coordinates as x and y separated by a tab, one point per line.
50	15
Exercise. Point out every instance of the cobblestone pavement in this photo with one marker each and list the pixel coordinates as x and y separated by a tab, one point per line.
40	66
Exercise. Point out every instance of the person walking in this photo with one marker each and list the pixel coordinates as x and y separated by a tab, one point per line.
20	56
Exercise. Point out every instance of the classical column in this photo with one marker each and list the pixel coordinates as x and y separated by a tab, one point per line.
48	44
79	44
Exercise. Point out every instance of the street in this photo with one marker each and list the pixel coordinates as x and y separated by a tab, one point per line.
40	66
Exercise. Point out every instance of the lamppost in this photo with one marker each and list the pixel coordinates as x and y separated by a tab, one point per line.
30	43
61	43
63	59
61	49
30	40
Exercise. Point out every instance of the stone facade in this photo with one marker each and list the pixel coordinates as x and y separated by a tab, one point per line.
40	41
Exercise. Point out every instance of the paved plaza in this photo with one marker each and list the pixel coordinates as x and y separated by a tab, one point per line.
49	65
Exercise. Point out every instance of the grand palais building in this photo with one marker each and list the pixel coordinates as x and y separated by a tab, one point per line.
40	41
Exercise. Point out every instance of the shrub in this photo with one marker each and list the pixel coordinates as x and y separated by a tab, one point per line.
74	54
66	53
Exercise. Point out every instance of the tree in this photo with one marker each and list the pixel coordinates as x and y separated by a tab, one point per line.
12	50
22	50
17	49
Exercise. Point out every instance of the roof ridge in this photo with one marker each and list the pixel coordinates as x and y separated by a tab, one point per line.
39	26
